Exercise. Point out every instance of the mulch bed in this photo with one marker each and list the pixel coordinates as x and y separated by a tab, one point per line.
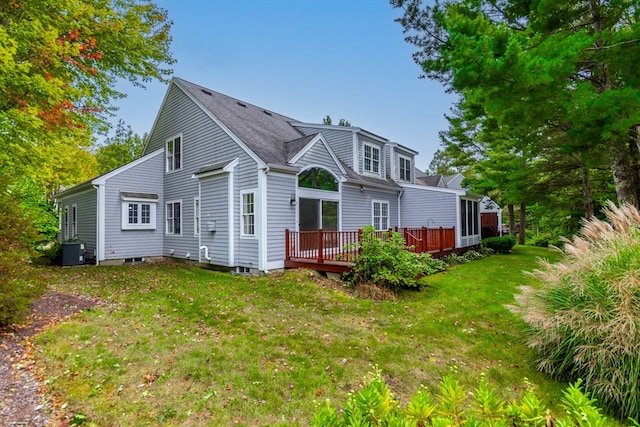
22	401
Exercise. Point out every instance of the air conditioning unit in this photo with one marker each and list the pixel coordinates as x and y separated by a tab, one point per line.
73	253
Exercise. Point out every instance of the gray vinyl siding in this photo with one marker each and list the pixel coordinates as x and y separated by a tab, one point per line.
86	203
340	141
429	208
203	143
143	178
246	178
281	215
357	207
214	206
319	156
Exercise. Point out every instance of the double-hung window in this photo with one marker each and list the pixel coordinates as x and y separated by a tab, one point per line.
174	217
380	215
405	169
138	211
70	222
371	159
174	153
248	214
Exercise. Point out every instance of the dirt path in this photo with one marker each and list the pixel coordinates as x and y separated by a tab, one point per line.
21	400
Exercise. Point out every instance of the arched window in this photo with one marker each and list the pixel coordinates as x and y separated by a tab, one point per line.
317	178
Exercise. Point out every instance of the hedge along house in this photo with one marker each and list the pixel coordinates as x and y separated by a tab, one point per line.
221	180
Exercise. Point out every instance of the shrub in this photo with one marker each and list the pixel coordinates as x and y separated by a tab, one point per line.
376	405
501	245
385	261
19	283
584	319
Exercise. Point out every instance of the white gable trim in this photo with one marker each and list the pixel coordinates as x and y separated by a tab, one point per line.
101	180
318	139
254	156
436	189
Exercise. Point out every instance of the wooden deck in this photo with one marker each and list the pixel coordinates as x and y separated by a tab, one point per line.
335	251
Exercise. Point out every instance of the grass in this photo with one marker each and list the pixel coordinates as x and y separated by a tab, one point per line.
177	345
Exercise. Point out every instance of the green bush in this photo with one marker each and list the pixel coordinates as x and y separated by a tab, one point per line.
385	261
19	281
376	405
585	317
501	245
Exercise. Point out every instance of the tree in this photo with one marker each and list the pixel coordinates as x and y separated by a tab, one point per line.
124	147
343	122
535	62
59	62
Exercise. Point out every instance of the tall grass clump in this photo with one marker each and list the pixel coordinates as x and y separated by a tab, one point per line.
585	318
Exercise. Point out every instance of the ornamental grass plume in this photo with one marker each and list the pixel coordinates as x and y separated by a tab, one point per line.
585	318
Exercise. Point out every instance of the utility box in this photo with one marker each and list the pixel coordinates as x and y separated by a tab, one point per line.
73	253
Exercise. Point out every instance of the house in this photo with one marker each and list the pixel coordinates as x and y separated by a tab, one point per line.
220	180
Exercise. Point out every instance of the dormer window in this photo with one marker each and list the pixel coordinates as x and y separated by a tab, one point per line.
405	168
371	159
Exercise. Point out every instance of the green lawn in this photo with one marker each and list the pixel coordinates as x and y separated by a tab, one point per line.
180	345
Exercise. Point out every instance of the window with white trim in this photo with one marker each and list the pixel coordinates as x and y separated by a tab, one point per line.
174	217
138	211
248	217
380	215
405	168
70	222
371	159
174	153
196	216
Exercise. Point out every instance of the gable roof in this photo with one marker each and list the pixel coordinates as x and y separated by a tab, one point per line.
262	131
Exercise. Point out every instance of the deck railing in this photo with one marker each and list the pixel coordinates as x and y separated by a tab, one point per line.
321	246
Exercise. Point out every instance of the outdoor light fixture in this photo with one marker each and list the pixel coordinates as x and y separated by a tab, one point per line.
361	188
292	200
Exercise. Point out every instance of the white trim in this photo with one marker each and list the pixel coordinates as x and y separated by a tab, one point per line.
124	220
381	202
101	226
237	140
255	235
227	169
380	162
312	193
231	216
196	214
200	234
314	141
261	210
410	170
166	218
436	189
166	158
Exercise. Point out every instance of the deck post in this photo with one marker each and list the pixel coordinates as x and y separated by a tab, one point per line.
441	239
425	247
287	248
320	248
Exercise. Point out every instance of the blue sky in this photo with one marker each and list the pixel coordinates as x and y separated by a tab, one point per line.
304	59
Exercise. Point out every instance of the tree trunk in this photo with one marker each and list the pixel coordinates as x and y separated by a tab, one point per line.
512	220
523	222
624	176
587	193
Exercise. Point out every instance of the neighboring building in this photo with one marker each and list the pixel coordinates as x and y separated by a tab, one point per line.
220	180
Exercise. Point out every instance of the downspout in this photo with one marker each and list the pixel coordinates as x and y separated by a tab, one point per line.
399	208
206	254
